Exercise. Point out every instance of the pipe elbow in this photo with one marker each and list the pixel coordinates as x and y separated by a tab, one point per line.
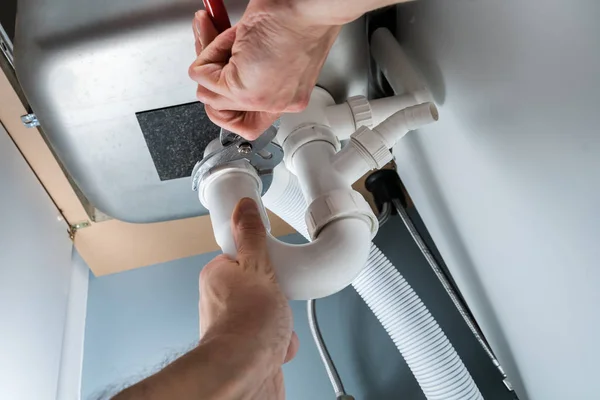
324	266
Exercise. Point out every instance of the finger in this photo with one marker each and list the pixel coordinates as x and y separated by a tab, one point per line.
196	29
208	68
207	32
217	50
213	100
250	236
292	348
249	125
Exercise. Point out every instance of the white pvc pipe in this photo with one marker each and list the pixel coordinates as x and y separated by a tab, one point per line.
351	163
221	193
429	354
396	66
314	270
312	166
384	108
314	114
325	266
395	127
342	122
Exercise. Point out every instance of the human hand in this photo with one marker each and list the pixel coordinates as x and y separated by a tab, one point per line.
265	65
241	303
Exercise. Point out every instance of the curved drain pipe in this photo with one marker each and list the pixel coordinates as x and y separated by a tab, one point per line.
317	269
319	202
429	354
340	222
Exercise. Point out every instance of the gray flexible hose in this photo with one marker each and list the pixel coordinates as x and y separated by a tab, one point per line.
334	377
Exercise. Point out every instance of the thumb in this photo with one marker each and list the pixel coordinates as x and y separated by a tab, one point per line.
250	236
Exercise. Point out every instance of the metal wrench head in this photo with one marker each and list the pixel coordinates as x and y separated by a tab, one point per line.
261	153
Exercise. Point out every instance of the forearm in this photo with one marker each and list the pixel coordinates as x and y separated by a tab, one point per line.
329	12
221	368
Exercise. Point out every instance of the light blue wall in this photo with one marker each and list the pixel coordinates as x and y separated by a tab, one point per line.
140	318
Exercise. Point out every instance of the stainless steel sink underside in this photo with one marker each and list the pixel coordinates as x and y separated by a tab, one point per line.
91	69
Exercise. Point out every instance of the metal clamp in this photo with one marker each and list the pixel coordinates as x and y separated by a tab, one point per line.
30	120
262	154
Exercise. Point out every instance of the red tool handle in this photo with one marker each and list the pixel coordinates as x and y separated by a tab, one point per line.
218	13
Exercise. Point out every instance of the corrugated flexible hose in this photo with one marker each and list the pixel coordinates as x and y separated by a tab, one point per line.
429	354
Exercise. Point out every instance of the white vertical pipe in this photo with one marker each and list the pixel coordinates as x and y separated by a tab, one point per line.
222	196
396	66
314	114
312	165
341	120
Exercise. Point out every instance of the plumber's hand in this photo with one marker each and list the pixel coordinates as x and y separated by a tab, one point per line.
241	302
265	65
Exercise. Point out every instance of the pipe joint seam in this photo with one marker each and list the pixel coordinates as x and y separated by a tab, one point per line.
235	167
372	148
336	205
361	111
306	134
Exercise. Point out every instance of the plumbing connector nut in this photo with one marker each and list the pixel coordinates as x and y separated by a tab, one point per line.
239	166
371	146
336	205
361	110
306	134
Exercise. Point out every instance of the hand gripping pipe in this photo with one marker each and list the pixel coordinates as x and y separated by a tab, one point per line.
341	251
340	221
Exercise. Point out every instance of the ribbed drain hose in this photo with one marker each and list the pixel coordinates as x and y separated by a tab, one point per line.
429	354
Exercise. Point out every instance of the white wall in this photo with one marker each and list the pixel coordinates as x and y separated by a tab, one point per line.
35	280
71	365
508	182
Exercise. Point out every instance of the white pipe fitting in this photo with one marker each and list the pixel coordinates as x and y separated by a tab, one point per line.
318	269
369	149
311	163
395	127
220	192
345	120
408	84
313	116
339	220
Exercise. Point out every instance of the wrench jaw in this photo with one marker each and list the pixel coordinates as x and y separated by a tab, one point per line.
262	154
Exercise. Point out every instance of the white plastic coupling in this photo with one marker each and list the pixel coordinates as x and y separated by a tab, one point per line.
361	111
338	204
241	167
371	147
306	134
